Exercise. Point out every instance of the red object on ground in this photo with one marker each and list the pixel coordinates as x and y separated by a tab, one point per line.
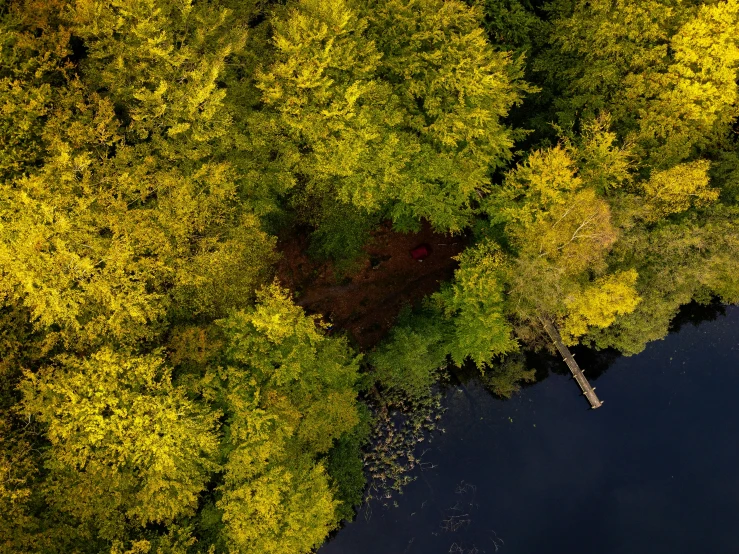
420	252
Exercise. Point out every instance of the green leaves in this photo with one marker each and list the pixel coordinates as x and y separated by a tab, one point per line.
474	303
409	359
285	352
392	106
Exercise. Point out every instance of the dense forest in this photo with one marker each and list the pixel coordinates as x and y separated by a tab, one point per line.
163	388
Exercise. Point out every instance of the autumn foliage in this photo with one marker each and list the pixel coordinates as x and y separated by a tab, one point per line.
161	391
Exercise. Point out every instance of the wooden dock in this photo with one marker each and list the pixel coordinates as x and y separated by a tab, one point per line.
577	374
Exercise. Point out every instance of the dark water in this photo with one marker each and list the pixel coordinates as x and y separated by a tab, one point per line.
656	470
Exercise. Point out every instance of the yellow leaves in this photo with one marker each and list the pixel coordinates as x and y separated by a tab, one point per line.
283	511
177	129
603	163
277	317
328	418
116	416
545	177
110	242
598	304
575	235
677	189
554	216
707	45
665	70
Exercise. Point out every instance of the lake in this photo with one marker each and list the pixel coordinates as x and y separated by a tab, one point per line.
655	470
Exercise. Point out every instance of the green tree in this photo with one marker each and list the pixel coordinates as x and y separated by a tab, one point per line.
394	106
511	24
474	302
504	378
693	257
562	231
408	360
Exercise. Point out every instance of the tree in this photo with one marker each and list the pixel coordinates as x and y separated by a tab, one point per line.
282	510
562	233
289	392
696	101
551	213
160	62
465	320
135	205
677	189
474	303
599	303
33	49
371	110
454	90
602	162
417	347
505	377
126	445
511	24
17	472
677	261
664	70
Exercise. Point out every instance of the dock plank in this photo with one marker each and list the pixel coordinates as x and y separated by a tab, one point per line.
569	359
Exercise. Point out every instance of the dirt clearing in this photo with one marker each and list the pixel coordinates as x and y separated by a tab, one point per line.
366	301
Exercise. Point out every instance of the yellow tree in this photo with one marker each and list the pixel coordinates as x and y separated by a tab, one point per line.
127	446
393	106
553	215
135	205
676	189
598	303
288	392
562	232
35	44
666	70
693	103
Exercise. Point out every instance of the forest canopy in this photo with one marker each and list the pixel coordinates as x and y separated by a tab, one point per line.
162	390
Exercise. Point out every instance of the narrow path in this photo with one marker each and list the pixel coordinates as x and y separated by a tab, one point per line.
569	359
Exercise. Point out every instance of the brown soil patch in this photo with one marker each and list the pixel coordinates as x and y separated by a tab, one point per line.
366	301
